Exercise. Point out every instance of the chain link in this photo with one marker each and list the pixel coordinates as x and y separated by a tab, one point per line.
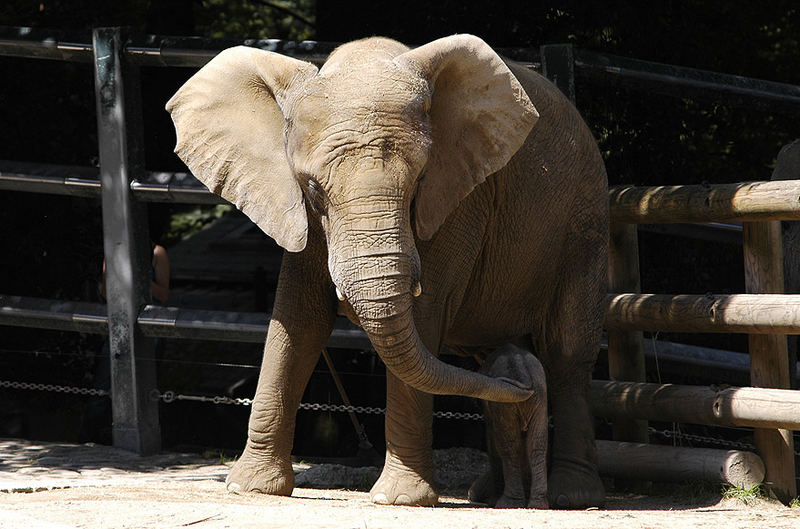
670	434
171	396
342	408
458	415
53	388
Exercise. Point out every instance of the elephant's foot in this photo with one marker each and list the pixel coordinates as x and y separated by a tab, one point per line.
508	502
573	486
485	489
252	473
403	486
538	502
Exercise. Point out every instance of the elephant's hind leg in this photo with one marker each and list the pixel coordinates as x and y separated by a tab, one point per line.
568	356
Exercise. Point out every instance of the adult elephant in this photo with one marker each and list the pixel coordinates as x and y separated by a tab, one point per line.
408	184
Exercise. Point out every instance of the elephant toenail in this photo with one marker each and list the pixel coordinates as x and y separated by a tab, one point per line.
403	499
562	501
380	498
234	488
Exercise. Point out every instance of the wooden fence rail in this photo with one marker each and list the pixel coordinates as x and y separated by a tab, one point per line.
728	406
746	201
712	313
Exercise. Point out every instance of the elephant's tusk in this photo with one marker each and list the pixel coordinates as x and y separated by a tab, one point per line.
339	294
417	290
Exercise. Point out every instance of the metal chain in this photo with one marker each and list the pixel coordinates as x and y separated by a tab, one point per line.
669	434
171	396
53	388
710	440
342	408
458	415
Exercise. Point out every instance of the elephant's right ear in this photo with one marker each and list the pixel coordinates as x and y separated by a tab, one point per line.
229	123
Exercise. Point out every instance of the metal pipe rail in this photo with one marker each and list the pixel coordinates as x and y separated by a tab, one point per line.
145	50
85	182
160	322
52	314
677	80
155	50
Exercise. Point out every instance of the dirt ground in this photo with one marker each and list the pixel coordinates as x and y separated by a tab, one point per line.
61	486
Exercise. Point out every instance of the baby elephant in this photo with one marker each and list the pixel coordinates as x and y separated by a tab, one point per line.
516	435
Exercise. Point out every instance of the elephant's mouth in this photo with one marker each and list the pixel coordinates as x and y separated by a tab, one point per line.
344	308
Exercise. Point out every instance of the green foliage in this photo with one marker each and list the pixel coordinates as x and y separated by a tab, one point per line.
220	456
184	224
273	19
746	496
795	503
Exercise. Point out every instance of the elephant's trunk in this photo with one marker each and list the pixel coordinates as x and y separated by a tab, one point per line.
379	283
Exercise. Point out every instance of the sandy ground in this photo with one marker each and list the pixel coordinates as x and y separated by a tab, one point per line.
59	486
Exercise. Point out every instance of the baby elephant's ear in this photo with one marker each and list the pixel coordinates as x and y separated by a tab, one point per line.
480	116
229	123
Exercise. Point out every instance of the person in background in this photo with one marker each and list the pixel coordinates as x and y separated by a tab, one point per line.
159	275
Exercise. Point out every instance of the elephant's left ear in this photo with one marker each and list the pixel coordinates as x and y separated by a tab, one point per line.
480	116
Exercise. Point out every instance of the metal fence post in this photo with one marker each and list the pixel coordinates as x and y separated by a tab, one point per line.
558	65
126	244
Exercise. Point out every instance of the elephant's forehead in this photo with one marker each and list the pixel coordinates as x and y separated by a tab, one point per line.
381	86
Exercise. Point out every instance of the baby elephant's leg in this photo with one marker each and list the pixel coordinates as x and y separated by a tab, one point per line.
517	433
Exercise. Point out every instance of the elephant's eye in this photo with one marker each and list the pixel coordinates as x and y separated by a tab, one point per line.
316	196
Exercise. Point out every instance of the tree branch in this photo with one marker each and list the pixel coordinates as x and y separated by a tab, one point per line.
286	11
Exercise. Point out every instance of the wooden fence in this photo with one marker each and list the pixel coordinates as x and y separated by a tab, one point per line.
765	312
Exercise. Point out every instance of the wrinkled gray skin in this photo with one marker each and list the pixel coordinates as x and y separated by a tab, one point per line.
516	436
413	185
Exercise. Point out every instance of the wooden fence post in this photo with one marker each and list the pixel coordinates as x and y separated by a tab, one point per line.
769	358
625	352
126	243
558	65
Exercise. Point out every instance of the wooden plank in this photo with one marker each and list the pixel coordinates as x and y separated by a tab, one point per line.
747	201
730	406
679	464
625	354
736	313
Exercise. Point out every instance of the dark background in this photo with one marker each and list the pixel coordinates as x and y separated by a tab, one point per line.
51	246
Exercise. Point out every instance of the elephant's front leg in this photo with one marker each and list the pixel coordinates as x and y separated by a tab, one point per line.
301	322
407	477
